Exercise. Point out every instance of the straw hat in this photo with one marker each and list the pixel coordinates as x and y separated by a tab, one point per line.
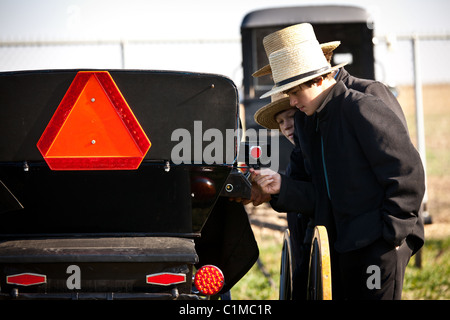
298	64
288	37
265	116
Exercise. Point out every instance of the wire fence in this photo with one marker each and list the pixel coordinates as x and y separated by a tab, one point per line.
399	57
220	56
394	56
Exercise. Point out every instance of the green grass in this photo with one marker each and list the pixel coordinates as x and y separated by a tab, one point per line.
430	282
255	285
438	161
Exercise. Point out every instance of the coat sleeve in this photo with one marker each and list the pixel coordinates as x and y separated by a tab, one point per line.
297	191
395	162
294	196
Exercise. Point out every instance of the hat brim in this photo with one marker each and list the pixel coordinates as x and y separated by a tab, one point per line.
326	47
265	116
263	71
287	86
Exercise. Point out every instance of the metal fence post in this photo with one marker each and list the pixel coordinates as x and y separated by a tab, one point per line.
420	133
122	53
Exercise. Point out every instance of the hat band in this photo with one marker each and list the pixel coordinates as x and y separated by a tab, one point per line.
300	76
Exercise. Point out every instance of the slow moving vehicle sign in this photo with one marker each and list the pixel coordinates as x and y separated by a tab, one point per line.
93	128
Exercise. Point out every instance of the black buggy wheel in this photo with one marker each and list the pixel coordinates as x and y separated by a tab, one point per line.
286	268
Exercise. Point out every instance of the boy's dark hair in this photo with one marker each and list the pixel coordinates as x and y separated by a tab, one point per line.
317	79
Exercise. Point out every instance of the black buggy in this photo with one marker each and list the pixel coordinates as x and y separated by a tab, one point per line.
102	196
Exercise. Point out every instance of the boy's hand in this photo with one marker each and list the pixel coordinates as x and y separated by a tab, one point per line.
268	180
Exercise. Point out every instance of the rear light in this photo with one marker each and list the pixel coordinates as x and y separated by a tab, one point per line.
26	279
243	167
202	189
209	280
166	279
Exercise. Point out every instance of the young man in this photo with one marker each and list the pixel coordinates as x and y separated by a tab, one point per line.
273	42
367	177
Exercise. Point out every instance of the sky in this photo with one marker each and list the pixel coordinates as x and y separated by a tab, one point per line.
176	21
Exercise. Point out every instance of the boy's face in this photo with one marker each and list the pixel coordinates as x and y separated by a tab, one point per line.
304	98
285	120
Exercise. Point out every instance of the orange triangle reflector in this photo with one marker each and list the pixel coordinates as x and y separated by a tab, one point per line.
93	128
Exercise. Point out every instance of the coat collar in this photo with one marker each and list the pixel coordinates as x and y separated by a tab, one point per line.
342	75
331	103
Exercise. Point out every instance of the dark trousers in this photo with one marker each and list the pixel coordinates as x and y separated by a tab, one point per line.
373	272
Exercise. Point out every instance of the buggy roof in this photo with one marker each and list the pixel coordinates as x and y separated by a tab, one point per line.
311	14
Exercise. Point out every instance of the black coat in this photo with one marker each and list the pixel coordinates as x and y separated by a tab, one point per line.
356	171
374	88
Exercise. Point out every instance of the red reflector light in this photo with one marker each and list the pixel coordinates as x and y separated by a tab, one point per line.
166	279
26	279
256	152
243	167
209	280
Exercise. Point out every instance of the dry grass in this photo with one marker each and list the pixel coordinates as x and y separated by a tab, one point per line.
436	105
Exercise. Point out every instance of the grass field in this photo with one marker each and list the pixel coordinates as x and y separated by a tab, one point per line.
430	282
432	279
256	284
